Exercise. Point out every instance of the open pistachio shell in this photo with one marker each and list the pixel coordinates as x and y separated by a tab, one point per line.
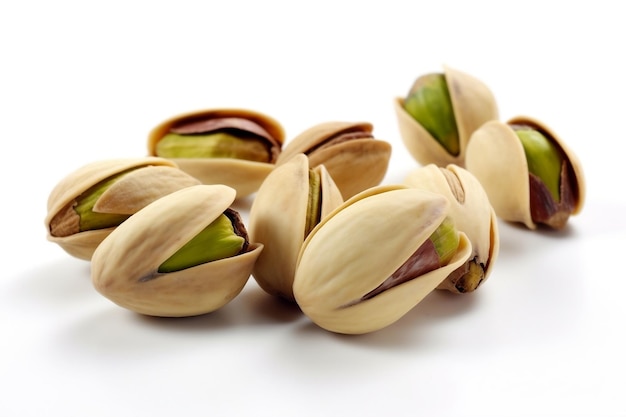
473	215
497	158
473	104
125	265
353	157
358	246
244	176
278	218
146	180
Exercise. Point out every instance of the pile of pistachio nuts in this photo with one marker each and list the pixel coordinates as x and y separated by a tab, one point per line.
163	238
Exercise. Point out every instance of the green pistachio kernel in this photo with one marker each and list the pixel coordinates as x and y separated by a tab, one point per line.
90	220
434	253
429	103
313	211
543	157
445	240
213	145
216	241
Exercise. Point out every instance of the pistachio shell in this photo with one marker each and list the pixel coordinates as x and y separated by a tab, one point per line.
242	175
573	160
125	265
156	178
361	243
469	208
497	158
354	164
278	219
473	104
145	185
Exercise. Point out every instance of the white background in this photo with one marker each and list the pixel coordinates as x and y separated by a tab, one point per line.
82	81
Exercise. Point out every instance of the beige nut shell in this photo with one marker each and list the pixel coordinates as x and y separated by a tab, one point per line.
361	243
244	176
473	104
278	220
354	165
125	265
469	208
497	158
156	178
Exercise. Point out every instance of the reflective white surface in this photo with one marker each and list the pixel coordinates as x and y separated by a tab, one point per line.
81	82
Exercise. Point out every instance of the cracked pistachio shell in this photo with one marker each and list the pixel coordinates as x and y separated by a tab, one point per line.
497	158
278	219
473	104
242	175
472	214
148	179
348	150
359	245
125	266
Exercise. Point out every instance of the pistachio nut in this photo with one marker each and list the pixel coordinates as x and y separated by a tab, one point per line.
290	202
353	157
439	114
473	215
528	172
234	147
185	254
86	205
375	257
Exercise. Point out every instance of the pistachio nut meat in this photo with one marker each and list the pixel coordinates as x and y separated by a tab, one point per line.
530	175
86	205
230	146
473	215
290	203
355	159
439	114
375	257
185	254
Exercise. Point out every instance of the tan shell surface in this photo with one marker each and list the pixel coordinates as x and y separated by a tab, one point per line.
354	165
151	179
473	104
244	176
318	134
570	155
331	195
278	220
81	245
141	187
89	175
472	101
499	162
469	207
271	125
124	266
496	157
361	243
